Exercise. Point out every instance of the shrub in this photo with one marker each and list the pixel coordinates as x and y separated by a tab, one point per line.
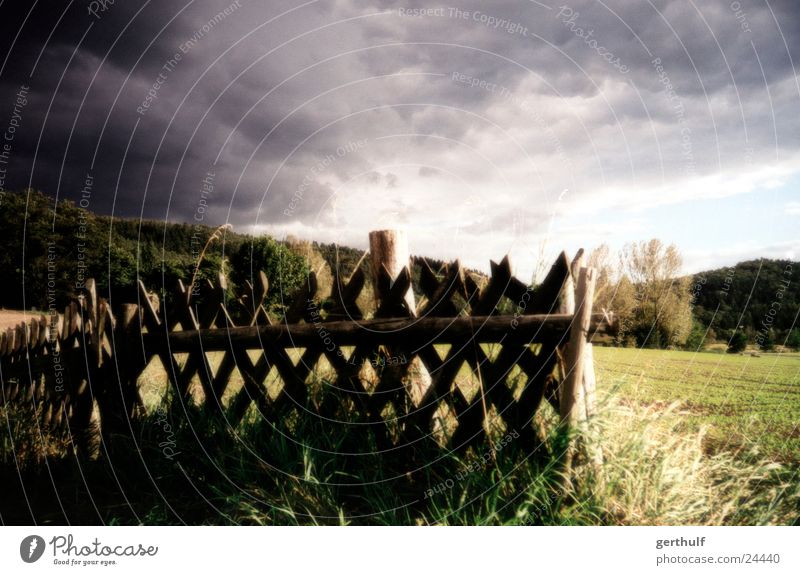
738	342
766	340
284	269
697	337
793	341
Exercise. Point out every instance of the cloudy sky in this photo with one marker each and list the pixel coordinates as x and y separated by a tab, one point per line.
483	128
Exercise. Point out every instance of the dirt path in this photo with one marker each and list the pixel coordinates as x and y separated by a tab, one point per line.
10	317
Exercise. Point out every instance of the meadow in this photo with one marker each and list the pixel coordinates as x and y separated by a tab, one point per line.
686	439
737	401
741	401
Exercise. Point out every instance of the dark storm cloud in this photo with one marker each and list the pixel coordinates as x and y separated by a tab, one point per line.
499	100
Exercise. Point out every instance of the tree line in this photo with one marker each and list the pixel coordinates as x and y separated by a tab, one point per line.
754	302
52	248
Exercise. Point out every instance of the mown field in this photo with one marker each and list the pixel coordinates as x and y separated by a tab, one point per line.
686	439
742	400
738	401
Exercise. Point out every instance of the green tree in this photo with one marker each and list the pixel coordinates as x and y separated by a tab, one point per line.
738	342
600	260
663	313
793	341
45	248
742	295
623	303
614	292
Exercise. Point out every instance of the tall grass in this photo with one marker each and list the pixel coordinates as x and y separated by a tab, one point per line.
25	445
656	472
304	470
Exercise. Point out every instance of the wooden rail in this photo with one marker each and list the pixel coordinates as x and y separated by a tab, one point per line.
478	329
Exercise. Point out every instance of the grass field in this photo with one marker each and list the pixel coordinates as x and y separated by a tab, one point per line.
740	401
744	401
686	439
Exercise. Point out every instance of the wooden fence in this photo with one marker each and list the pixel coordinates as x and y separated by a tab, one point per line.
396	372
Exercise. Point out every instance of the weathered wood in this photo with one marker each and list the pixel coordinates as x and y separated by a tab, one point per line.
34	334
394	289
391	277
574	357
44	336
586	397
589	381
293	377
594	448
546	296
566	305
529	329
344	295
572	406
439	294
566	302
193	318
539	371
455	310
152	322
134	358
389	249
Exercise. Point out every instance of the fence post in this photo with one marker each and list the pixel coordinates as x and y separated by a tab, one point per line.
571	399
567	299
115	401
567	306
129	342
389	249
83	424
588	397
587	389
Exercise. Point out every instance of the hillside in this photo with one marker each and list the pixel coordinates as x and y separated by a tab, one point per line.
64	248
762	296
